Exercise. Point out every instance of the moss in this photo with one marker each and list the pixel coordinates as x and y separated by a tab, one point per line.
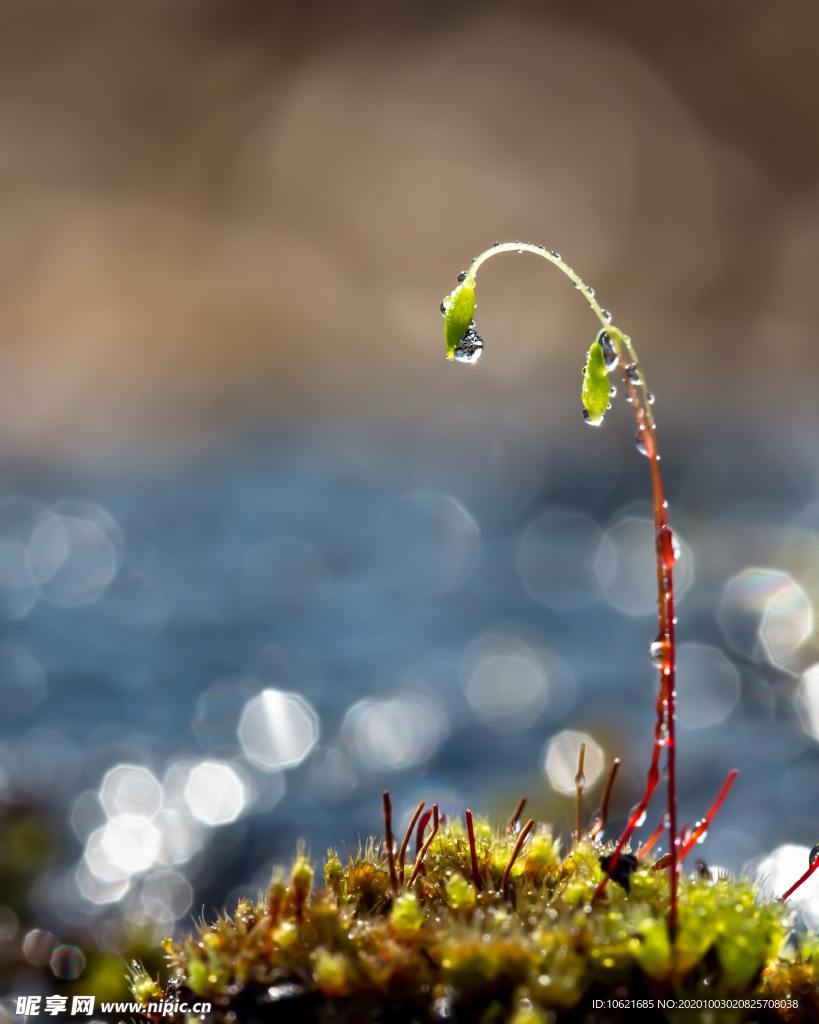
452	948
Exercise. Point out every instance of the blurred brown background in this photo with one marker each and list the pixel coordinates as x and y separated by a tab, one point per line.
216	214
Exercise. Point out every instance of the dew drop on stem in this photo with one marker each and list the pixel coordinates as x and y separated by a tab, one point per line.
668	546
660	653
814	854
608	349
606	314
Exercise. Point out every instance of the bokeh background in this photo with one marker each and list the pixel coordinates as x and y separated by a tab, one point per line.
263	553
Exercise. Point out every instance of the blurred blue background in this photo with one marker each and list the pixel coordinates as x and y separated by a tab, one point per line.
263	553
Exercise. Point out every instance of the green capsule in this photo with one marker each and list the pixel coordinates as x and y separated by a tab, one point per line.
594	393
458	309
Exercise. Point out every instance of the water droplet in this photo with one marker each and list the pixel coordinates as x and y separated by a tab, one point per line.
590	291
702	836
555	253
462	277
613	391
470	348
650	398
814	854
608	349
443	309
640	821
669	546
606	315
660	652
633	374
639	443
496	244
591	421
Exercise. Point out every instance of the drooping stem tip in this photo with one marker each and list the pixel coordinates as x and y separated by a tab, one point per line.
614	349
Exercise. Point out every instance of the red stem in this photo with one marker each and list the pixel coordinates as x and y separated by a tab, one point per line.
652	839
512	824
473	853
602	817
713	810
801	880
407	836
664	729
522	836
419	860
386	806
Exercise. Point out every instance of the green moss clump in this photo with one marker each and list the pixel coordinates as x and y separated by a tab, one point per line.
452	948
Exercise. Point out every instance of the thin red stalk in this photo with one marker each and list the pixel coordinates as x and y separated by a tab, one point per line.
637	812
652	839
602	816
407	836
419	860
388	839
513	821
712	812
801	880
522	836
473	852
579	783
423	821
665	726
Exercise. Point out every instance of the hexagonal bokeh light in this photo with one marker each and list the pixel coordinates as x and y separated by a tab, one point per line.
130	789
400	732
560	763
215	793
278	729
708	685
504	681
807	701
765	613
555	559
626	567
